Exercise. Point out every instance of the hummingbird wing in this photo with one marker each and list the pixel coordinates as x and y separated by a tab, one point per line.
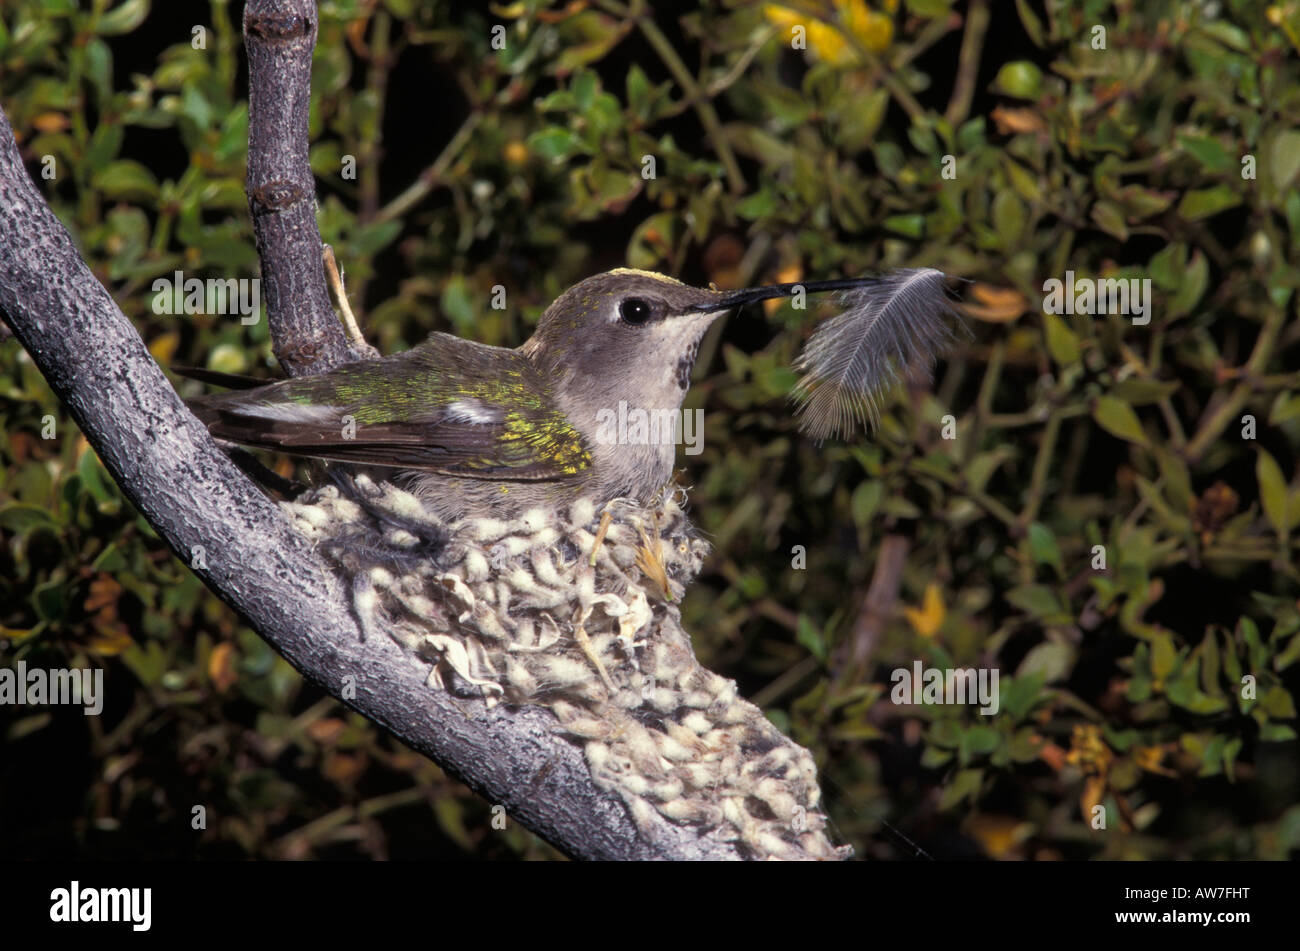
449	405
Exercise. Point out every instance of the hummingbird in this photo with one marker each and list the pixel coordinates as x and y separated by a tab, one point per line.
481	431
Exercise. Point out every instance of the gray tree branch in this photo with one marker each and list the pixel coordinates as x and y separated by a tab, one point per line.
279	36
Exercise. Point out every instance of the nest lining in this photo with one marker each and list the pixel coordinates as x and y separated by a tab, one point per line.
576	610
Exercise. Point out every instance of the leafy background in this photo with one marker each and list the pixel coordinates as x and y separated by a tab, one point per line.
523	167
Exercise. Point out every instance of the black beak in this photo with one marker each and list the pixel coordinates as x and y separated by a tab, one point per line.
750	295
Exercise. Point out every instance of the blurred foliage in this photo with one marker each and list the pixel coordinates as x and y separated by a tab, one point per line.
1107	512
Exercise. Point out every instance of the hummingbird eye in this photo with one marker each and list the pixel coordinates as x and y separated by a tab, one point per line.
634	311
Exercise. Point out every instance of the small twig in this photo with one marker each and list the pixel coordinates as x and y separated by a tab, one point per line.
723	82
340	297
432	176
305	334
1042	464
584	642
968	63
605	520
697	97
930	34
1218	420
878	606
983	500
764	697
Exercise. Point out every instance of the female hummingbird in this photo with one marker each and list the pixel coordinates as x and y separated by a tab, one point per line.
480	431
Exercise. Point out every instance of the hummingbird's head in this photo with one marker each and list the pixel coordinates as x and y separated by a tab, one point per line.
626	332
629	335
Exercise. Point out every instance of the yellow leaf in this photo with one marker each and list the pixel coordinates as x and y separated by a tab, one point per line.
874	30
1094	790
782	16
1011	121
1150	758
828	43
927	619
221	667
108	639
163	347
998	835
998	305
790	274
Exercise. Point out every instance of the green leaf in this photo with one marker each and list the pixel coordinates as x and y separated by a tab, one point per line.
1043	547
20	517
1008	218
758	205
50	600
95	479
1272	492
933	757
585	85
1191	284
910	226
1204	202
1288	655
1278	702
1019	696
859	732
553	143
810	636
602	33
1167	266
1110	219
980	740
1062	344
638	90
105	142
865	502
1276	733
1285	407
1029	20
1050	660
126	180
1230	751
1213	155
123	18
654	240
965	784
1037	600
1284	159
1117	418
1163	655
1139	392
372	238
456	303
1178	481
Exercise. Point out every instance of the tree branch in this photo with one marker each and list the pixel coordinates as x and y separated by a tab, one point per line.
307	337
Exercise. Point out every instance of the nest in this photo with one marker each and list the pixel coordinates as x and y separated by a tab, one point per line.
577	611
